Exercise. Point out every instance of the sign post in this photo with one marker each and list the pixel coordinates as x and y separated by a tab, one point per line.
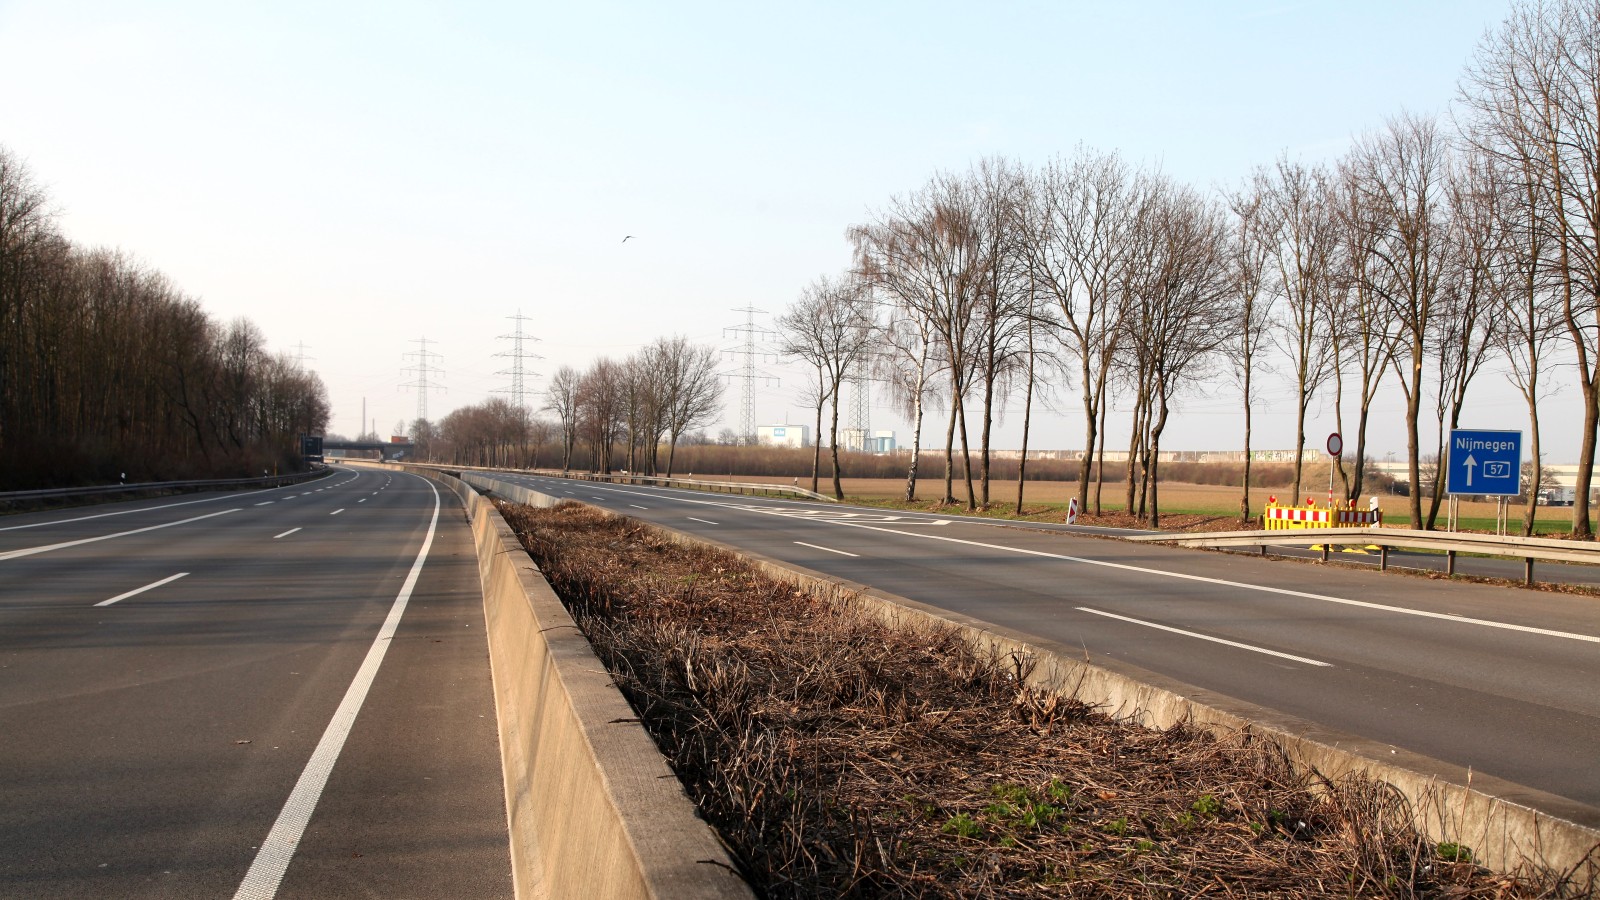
1335	449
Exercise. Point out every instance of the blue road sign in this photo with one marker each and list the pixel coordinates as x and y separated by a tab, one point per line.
1484	462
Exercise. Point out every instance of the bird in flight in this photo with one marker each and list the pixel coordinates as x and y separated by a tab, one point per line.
625	240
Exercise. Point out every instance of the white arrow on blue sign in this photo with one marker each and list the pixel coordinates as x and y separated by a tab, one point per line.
1484	462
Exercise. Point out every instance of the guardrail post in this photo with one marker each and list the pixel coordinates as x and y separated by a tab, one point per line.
1527	570
1450	562
1325	546
1383	557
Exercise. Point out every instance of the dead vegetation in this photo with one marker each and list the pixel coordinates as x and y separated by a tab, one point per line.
838	757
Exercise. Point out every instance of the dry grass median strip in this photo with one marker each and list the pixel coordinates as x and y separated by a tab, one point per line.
839	757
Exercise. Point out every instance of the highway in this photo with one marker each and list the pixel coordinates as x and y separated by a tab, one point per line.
282	692
1501	680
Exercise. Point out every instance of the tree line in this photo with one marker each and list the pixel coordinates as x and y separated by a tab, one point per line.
1434	246
109	371
616	413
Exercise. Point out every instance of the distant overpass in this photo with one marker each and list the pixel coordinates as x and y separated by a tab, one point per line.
386	450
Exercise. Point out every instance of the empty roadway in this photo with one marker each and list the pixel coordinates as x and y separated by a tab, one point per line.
1499	679
170	672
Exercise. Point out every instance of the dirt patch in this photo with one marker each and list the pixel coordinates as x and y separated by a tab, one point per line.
838	757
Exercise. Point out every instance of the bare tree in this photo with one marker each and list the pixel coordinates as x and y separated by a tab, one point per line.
1398	179
1365	323
1079	224
1180	307
1004	296
1535	103
693	395
562	399
1296	204
1250	250
926	253
906	365
829	327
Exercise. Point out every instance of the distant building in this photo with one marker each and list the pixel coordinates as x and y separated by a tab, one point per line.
783	435
859	441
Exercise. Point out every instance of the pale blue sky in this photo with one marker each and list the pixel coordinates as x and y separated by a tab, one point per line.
355	176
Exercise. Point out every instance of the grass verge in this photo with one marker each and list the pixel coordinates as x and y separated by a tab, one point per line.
839	757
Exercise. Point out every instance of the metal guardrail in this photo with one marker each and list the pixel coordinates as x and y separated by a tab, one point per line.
64	493
1452	543
742	487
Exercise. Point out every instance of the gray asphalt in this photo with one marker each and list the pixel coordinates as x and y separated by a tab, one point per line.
147	747
1512	694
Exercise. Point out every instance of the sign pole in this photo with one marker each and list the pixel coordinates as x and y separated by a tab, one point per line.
1335	448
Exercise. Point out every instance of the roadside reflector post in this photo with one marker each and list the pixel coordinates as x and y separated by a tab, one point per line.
1325	551
1527	570
1383	557
1450	562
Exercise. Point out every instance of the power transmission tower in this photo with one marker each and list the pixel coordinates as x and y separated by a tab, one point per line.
517	390
425	370
749	335
860	406
300	356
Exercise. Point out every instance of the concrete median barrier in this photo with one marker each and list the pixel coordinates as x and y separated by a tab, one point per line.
593	808
1505	824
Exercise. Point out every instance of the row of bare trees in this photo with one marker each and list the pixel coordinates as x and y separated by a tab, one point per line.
108	371
625	410
1431	249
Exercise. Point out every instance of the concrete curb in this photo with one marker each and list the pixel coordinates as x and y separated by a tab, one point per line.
1505	824
593	808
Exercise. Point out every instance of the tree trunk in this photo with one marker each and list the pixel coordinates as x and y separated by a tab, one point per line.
1413	408
988	428
1155	464
916	440
966	454
816	445
1027	416
833	441
949	498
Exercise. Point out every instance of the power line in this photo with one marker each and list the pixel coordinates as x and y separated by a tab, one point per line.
517	390
424	369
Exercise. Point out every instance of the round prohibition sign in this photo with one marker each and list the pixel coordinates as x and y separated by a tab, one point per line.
1335	444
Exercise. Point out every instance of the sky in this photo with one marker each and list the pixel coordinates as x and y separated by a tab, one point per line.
356	177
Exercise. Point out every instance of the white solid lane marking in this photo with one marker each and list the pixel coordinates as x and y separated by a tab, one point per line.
153	584
337	511
285	534
1204	637
1225	583
829	549
707	521
637	506
272	860
268	503
15	554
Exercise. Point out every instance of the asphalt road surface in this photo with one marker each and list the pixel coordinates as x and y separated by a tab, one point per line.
271	693
1504	680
